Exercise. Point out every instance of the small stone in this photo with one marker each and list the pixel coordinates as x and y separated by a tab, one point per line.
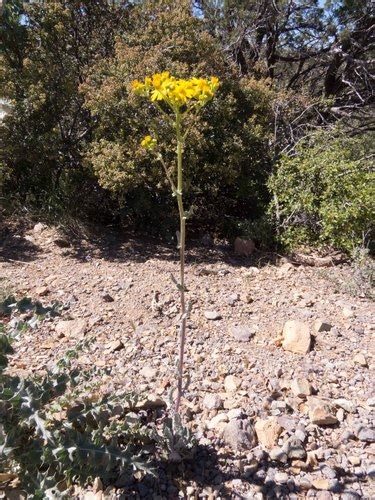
296	337
71	328
360	359
301	387
268	431
215	422
347	312
321	412
281	477
107	298
243	247
278	454
346	405
235	413
242	333
232	299
366	434
212	402
231	383
42	291
151	402
293	447
212	315
148	372
39	227
115	345
240	434
354	460
321	326
325	484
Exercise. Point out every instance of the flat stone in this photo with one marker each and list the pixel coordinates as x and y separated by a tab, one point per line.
71	328
239	435
235	413
281	477
366	434
151	402
325	484
296	337
321	412
212	315
301	387
268	431
148	372
115	345
42	291
346	405
242	333
321	326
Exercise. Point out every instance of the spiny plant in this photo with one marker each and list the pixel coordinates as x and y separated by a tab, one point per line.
177	100
53	432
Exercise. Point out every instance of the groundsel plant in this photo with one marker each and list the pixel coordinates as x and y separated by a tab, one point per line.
176	99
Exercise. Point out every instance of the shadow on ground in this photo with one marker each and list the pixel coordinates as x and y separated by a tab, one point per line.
210	472
15	247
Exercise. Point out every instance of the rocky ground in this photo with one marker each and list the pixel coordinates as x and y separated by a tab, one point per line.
279	358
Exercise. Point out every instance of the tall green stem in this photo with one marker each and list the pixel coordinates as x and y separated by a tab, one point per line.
182	259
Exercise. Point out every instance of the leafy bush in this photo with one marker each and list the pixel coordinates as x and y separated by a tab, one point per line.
324	194
227	150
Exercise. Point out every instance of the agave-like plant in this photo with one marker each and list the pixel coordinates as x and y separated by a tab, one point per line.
176	98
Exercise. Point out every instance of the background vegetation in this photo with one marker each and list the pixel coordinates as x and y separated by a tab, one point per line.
282	155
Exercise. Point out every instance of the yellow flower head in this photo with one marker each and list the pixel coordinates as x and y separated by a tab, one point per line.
177	92
148	142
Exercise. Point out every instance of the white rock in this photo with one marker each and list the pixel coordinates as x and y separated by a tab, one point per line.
231	383
212	402
148	372
296	337
216	420
212	315
242	333
71	328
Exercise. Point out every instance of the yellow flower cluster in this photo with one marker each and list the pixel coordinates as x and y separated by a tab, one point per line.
148	142
175	91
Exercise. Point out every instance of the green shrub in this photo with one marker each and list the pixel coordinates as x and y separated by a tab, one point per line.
324	194
227	150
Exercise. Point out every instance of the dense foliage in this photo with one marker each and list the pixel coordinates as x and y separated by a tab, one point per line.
288	69
325	193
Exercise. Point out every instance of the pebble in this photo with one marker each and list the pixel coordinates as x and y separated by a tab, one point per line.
212	315
366	434
212	402
240	434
